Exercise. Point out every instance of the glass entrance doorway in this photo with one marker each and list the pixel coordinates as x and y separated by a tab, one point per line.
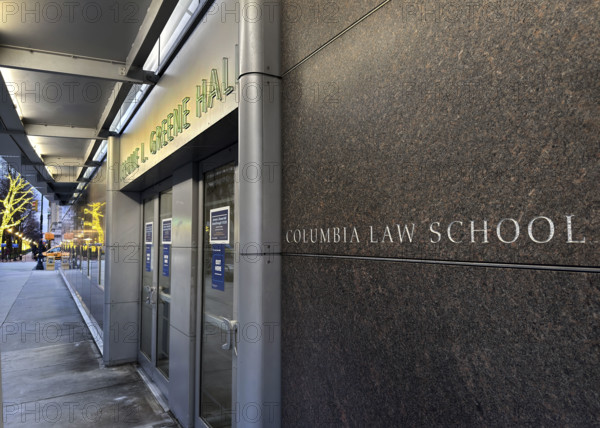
156	288
218	349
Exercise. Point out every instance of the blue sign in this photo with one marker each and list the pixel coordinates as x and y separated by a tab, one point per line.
15	245
219	225
218	267
3	245
166	231
148	257
166	259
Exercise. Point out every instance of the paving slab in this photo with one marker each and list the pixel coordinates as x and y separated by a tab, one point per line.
30	385
124	405
48	355
45	310
52	372
13	277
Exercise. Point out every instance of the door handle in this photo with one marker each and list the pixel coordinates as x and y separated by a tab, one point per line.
231	328
149	293
164	297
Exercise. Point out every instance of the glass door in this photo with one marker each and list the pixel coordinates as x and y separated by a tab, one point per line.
164	283
219	329
156	288
148	282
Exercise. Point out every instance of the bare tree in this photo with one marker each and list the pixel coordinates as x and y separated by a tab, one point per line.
31	228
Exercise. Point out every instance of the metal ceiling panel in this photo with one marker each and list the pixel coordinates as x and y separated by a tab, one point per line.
61	147
87	28
9	148
63	132
58	63
69	67
54	99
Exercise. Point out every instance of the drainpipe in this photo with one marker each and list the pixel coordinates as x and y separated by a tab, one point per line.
259	361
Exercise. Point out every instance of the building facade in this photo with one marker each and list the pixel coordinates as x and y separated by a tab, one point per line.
375	213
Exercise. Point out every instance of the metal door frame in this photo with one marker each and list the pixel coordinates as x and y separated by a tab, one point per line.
149	365
220	159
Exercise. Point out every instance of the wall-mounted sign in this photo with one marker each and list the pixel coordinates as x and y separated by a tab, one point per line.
166	231
198	89
219	225
506	231
218	267
167	128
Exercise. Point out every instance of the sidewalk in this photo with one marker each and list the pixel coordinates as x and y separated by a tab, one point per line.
52	372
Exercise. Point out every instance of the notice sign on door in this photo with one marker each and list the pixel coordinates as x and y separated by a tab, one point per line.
148	234
166	259
166	231
219	226
166	241
148	257
218	267
148	241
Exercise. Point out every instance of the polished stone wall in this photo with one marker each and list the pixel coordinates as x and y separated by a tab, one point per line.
85	219
441	216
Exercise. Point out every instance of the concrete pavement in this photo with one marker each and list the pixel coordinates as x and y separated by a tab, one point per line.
52	372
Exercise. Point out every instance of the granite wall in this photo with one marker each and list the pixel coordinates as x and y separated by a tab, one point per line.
441	213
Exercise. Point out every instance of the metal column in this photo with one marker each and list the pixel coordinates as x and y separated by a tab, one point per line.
122	272
259	364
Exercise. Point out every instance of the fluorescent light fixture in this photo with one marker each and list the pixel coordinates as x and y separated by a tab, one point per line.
88	173
170	36
101	151
48	170
133	98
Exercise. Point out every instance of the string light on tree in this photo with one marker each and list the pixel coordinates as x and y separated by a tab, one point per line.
16	202
96	217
